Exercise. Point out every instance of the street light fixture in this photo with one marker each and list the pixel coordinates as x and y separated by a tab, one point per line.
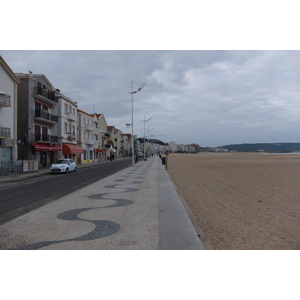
133	92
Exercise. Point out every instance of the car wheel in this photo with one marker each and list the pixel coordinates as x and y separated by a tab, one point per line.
75	169
67	171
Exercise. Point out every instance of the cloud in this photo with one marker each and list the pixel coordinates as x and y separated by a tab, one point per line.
206	97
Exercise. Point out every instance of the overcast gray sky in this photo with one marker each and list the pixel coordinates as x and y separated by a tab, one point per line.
200	96
207	97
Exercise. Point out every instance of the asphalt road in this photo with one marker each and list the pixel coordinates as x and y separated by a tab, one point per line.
24	195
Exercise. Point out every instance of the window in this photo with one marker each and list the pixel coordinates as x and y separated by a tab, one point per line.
37	132
66	127
66	108
45	134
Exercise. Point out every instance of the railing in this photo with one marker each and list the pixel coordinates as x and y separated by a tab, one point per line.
72	137
89	127
89	141
46	93
5	100
7	168
104	134
4	132
38	137
19	166
39	113
71	116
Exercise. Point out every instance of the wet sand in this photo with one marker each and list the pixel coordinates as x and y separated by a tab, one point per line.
242	200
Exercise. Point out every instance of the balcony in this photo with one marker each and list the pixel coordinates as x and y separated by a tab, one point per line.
43	115
46	95
89	141
5	101
105	135
72	137
89	127
71	117
38	137
4	132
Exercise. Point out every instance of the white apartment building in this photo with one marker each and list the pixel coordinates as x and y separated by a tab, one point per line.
87	135
102	152
173	147
8	114
67	128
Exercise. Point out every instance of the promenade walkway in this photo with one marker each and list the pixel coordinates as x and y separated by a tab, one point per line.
134	209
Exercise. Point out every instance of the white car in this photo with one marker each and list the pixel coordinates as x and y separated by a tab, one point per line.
64	165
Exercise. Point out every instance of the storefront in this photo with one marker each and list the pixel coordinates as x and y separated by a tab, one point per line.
72	151
46	154
100	154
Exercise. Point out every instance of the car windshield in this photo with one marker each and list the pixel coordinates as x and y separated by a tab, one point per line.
61	161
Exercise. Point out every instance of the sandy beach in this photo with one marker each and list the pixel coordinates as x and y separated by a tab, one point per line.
242	200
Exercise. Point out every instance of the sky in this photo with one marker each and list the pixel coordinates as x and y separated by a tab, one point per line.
207	97
208	77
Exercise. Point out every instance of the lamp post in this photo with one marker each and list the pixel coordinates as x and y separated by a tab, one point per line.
145	135
133	92
149	138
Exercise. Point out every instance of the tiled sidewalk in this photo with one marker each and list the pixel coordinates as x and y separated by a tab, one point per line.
135	208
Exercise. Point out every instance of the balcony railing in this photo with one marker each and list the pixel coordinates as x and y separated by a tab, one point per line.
89	141
72	137
46	94
38	137
39	113
89	127
5	101
71	116
105	135
4	132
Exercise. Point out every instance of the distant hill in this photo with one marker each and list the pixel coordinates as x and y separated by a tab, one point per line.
269	147
155	141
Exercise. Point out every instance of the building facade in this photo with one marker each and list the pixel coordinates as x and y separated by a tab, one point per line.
8	116
67	128
87	132
102	152
37	119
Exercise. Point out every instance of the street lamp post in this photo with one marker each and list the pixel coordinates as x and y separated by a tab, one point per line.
132	141
145	135
149	138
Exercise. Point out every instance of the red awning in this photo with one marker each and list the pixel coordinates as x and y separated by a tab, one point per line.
46	147
72	149
100	150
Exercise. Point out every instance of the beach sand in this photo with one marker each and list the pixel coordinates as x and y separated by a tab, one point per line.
241	200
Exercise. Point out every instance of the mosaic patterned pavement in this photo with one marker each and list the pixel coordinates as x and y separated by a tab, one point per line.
118	212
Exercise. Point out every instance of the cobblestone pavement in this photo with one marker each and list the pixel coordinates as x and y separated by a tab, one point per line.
121	212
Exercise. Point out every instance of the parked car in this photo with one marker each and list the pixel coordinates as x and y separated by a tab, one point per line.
141	154
64	165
